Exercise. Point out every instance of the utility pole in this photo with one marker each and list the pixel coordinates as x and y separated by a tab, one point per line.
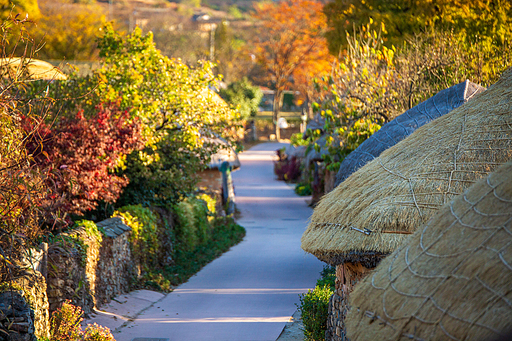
110	11
212	41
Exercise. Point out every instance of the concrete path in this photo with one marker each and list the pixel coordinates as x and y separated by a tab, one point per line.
250	292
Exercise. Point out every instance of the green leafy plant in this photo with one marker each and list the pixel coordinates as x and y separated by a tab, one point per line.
298	140
186	231
144	243
65	325
314	305
303	189
193	226
243	95
224	234
91	229
314	308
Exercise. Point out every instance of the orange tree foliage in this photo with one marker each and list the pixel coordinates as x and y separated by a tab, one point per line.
290	42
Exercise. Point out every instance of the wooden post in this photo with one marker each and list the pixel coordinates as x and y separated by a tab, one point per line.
44	262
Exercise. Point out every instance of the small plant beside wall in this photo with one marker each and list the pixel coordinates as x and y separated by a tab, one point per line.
65	325
314	306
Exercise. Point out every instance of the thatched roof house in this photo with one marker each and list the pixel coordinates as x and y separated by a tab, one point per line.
404	125
453	277
372	212
33	68
225	153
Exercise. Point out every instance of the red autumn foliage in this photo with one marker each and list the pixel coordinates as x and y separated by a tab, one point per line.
78	155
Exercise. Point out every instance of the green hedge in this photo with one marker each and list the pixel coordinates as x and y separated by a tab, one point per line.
314	305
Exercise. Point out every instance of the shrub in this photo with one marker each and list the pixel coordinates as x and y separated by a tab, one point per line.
144	243
225	233
288	169
303	189
193	226
79	154
65	325
314	308
94	332
314	305
327	277
186	235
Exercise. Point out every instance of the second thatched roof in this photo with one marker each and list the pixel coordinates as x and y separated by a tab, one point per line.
452	280
374	210
405	124
33	68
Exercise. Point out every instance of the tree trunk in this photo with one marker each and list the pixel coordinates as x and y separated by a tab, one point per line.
309	106
277	107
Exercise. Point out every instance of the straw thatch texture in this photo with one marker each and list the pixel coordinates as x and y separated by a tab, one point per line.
35	69
225	154
452	280
379	205
405	124
314	155
317	122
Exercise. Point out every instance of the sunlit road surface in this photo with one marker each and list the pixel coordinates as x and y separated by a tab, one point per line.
250	292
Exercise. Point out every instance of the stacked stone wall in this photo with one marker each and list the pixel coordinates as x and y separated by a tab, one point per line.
347	276
67	277
114	266
24	308
91	275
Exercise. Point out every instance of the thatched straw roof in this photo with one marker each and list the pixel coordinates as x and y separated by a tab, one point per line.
225	153
452	280
376	208
34	68
405	124
298	152
317	122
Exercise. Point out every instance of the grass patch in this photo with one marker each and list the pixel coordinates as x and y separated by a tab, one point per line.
224	234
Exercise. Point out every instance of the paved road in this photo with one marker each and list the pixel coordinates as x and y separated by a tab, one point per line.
250	292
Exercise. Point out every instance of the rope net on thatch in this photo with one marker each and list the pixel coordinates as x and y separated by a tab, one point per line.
405	124
452	280
378	206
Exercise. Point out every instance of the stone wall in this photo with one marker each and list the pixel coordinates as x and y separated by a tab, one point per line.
24	308
67	276
114	268
92	274
347	276
211	179
329	181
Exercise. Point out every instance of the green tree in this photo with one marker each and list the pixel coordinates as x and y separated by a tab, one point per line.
178	111
164	93
245	96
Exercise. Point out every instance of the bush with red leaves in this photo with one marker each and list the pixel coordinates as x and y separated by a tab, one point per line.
78	154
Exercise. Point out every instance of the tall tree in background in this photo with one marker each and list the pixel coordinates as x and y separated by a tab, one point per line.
290	39
303	78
